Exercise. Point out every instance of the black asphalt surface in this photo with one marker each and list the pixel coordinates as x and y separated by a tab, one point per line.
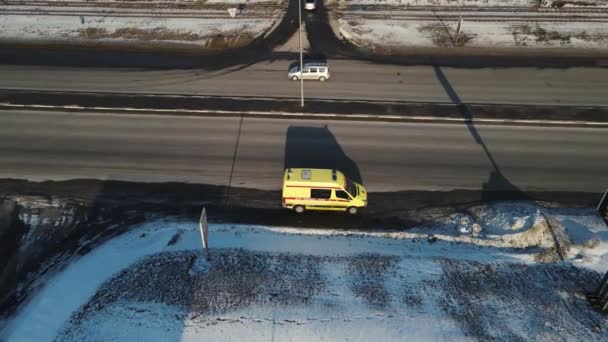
276	107
324	44
250	152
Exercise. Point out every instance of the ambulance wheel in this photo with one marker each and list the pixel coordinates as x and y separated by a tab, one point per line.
298	209
294	78
352	210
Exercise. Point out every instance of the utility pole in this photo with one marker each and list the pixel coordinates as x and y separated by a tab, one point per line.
301	58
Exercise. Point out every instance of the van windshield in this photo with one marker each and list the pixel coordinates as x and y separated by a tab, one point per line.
351	188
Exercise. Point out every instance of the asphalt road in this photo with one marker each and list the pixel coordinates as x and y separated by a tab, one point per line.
350	80
253	152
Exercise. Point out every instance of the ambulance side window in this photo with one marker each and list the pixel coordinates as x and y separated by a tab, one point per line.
320	193
342	194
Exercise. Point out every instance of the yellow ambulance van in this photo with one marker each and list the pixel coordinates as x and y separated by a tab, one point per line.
322	189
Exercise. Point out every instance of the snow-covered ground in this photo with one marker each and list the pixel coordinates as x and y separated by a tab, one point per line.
209	28
457	3
247	2
482	3
400	34
474	276
198	2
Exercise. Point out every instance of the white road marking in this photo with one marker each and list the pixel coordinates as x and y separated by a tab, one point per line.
117	110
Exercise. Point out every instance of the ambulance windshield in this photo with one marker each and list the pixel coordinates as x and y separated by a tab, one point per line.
351	188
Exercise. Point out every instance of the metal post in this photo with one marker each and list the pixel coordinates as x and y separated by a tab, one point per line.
603	203
603	289
604	306
86	34
202	225
301	58
458	31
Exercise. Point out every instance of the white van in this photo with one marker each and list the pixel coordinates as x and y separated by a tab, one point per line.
310	5
312	71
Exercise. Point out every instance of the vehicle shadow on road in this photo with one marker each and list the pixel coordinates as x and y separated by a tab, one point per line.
498	187
317	148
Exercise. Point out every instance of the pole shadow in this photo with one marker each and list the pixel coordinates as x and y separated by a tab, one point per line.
498	187
317	148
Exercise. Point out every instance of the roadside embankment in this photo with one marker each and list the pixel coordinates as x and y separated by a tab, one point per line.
40	233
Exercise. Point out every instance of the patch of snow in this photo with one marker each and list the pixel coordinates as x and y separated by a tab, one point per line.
185	2
589	236
51	308
395	34
281	323
240	2
200	266
445	3
474	3
37	202
31	219
46	313
507	218
70	28
133	321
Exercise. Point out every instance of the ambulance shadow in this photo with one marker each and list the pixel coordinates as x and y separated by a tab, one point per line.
317	148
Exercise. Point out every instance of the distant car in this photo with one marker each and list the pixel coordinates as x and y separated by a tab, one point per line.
310	5
312	71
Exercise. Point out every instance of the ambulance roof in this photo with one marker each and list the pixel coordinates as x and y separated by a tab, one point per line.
305	176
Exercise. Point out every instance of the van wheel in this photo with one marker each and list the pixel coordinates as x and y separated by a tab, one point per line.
294	78
352	210
322	79
298	209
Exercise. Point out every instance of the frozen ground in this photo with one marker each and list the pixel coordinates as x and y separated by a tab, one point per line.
198	2
248	2
483	3
210	29
473	276
390	35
